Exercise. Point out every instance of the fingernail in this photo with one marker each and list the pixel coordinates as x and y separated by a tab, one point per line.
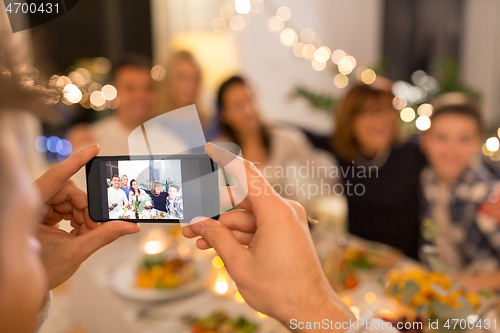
198	219
199	228
209	146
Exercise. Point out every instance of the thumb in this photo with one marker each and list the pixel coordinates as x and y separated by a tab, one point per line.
220	238
105	234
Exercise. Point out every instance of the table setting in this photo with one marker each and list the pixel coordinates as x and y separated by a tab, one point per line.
160	282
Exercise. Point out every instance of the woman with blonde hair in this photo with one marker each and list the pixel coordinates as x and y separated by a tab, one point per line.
125	185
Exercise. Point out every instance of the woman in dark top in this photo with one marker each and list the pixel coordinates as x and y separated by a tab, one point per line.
384	203
158	197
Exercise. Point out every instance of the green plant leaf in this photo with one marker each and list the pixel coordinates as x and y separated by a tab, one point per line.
410	289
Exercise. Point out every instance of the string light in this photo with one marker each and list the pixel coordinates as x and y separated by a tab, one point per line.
275	24
242	6
340	81
492	144
423	123
322	54
318	66
407	114
298	49
425	110
237	23
368	76
284	12
288	37
399	102
109	92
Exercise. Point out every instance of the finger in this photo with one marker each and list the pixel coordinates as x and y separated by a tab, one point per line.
105	234
70	192
202	244
227	199
238	220
52	180
221	239
65	207
244	238
261	195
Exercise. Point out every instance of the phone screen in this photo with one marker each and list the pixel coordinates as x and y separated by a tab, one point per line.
152	189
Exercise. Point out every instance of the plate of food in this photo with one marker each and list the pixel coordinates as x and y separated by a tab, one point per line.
159	278
220	321
366	255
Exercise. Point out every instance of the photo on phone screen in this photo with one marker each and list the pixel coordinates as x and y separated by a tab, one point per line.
152	188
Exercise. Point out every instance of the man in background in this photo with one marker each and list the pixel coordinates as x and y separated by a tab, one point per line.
134	84
117	198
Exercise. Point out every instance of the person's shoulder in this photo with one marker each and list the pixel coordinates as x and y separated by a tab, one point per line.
287	134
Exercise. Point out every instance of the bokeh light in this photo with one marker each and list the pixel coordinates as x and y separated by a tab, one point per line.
399	102
158	72
307	35
425	110
219	24
226	11
407	114
242	6
492	144
72	93
288	37
109	92
284	12
347	65
101	65
52	143
338	56
217	262
97	99
318	66
340	81
322	54
64	147
368	76
41	144
275	24
308	51
423	123
298	49
237	23
370	297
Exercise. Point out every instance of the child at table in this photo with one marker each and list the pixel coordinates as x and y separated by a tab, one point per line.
454	186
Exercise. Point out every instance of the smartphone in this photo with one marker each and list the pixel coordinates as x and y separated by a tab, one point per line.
152	188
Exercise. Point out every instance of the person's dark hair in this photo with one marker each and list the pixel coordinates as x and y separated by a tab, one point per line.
466	109
132	189
175	186
132	60
116	177
225	128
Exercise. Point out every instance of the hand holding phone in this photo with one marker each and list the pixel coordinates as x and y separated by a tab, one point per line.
161	188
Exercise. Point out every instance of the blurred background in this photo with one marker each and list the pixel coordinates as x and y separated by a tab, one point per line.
301	58
430	46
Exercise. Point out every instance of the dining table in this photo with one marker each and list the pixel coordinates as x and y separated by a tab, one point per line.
101	307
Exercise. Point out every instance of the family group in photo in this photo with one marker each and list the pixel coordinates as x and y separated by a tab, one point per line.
123	193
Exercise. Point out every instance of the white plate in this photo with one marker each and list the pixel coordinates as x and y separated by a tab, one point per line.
204	305
123	279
